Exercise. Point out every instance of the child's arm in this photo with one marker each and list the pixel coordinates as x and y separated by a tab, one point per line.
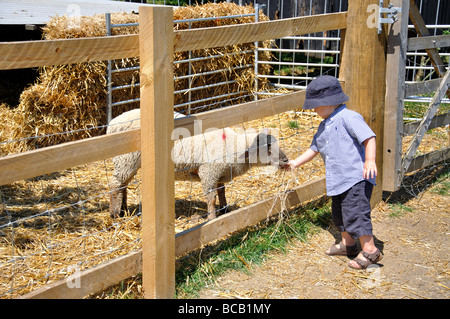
370	167
302	159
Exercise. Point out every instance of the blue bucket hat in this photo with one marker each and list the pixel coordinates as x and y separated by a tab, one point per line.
324	90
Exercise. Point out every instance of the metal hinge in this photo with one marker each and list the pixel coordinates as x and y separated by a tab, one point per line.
391	12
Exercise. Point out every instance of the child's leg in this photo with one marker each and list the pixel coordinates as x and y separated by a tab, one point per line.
367	244
347	240
368	250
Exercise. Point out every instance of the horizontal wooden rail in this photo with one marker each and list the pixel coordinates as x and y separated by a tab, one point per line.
31	54
111	272
428	42
423	87
425	160
219	227
55	158
437	121
241	113
196	39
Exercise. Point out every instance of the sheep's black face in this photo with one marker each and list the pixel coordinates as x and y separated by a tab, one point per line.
283	160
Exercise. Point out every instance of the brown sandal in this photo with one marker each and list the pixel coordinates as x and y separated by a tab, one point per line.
343	250
371	259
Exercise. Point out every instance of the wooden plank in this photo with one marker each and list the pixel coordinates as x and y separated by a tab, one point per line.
196	39
422	30
59	157
364	72
241	113
437	121
111	272
425	123
394	98
91	280
158	191
31	54
422	87
219	227
429	42
432	158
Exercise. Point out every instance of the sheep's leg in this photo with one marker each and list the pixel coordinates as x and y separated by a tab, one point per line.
209	185
118	200
125	167
222	198
211	202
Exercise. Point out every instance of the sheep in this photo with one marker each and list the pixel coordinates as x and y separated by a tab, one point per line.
213	158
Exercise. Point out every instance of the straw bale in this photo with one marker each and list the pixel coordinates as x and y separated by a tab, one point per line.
72	98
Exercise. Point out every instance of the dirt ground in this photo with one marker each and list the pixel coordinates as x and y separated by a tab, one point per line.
415	244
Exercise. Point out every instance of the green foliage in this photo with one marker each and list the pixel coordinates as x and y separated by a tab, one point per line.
399	210
293	124
442	187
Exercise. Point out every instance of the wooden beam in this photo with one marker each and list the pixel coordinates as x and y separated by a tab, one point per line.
422	30
92	280
394	98
241	113
429	42
32	54
63	156
425	160
364	72
422	87
196	39
437	121
158	191
66	155
249	215
425	123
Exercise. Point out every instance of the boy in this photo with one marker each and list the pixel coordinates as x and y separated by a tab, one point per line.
347	146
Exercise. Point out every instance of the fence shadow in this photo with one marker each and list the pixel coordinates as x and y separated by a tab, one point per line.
415	183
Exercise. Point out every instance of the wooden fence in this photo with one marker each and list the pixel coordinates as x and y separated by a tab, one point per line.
362	75
155	45
396	162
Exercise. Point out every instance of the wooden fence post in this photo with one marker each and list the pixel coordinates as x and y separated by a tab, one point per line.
395	95
156	40
364	73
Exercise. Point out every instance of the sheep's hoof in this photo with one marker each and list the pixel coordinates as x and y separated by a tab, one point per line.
116	213
223	210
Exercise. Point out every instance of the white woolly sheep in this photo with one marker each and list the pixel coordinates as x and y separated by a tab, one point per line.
213	158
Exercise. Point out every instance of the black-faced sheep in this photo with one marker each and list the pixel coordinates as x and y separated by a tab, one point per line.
213	158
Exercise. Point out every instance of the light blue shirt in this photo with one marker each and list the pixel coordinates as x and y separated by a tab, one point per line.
339	139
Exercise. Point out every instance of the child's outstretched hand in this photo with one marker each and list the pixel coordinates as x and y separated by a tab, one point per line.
370	169
290	166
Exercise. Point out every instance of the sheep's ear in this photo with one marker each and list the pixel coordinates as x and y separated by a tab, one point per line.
242	158
264	139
